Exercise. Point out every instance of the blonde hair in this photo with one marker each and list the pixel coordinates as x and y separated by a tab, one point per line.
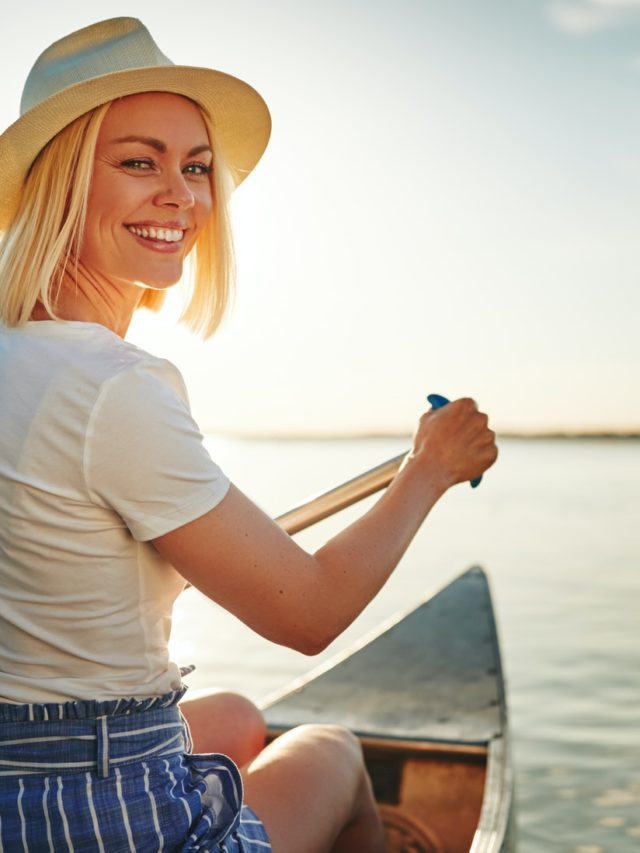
212	271
45	236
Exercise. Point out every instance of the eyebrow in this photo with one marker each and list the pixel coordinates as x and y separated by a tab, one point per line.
159	145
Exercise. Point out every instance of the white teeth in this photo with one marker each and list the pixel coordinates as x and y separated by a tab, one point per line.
167	235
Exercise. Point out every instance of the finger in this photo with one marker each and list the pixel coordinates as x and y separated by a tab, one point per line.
468	404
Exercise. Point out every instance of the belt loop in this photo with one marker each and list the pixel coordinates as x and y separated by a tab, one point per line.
102	743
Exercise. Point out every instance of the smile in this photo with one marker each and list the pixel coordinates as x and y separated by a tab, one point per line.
165	235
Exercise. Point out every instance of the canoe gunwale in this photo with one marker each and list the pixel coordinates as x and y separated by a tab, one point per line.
492	834
408	747
442	749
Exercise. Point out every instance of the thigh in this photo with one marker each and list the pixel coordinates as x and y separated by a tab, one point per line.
225	722
303	787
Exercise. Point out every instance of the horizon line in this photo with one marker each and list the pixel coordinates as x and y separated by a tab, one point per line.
626	434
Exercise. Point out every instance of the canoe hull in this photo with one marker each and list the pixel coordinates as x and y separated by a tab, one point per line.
426	697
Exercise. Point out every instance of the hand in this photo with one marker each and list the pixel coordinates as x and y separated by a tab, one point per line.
454	443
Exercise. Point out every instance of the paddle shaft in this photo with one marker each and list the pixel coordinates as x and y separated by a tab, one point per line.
326	504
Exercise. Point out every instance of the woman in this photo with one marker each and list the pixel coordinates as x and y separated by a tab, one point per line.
118	168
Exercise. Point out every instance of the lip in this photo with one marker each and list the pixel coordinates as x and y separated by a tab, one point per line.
150	223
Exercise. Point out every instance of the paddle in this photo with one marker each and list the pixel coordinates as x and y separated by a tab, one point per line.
327	503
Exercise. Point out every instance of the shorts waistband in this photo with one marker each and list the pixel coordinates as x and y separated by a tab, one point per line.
89	735
80	709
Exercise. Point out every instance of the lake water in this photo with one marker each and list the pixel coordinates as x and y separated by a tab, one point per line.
556	525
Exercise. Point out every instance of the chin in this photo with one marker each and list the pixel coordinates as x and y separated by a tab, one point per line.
157	285
159	282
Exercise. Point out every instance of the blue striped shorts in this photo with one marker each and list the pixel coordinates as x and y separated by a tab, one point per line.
117	775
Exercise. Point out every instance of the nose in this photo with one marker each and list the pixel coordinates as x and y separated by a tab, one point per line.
175	191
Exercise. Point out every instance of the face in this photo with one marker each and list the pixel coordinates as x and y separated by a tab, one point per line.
151	190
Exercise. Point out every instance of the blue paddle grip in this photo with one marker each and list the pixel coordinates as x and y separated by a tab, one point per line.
437	402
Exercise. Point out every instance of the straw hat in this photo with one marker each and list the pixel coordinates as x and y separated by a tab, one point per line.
109	60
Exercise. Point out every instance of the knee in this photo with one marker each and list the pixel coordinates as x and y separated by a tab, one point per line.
337	754
238	707
246	720
336	743
226	722
343	738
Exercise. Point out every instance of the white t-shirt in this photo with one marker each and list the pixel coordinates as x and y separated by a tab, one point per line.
98	454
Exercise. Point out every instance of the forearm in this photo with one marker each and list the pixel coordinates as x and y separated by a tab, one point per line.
239	557
356	563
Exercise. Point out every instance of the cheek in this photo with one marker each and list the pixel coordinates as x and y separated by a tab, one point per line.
204	212
102	243
113	198
100	209
204	201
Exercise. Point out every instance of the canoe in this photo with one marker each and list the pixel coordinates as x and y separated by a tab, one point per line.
426	697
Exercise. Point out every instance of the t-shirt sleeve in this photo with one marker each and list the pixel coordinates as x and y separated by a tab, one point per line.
144	455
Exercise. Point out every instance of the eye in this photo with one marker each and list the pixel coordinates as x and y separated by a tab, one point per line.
138	164
198	169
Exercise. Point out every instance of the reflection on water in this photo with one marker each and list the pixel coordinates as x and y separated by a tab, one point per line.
556	526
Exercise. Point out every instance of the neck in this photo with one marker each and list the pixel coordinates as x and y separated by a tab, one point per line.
86	296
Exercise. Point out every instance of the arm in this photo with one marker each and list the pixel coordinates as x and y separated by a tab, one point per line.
239	557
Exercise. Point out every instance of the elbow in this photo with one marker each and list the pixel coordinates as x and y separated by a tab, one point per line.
310	641
312	647
308	619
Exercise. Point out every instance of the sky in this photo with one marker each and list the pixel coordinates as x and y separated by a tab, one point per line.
449	203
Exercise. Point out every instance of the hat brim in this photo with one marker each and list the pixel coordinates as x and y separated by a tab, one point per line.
239	114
